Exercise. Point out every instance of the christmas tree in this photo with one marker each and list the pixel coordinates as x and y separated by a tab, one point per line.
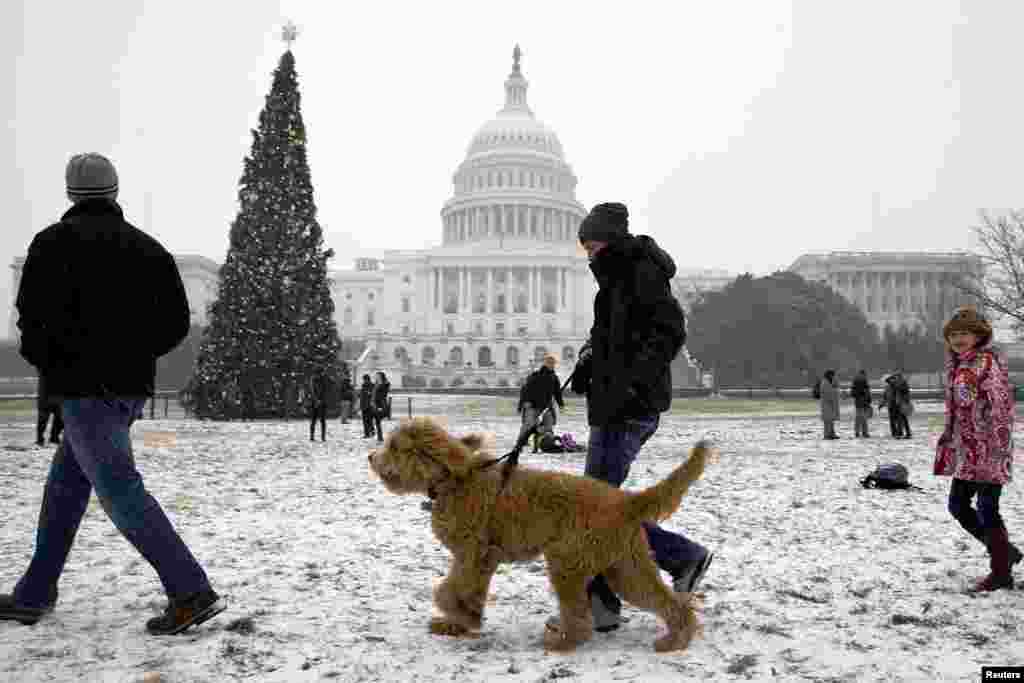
271	328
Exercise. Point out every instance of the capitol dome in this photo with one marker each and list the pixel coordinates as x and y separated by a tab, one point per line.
514	182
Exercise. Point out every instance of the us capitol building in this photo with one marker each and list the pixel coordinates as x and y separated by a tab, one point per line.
509	281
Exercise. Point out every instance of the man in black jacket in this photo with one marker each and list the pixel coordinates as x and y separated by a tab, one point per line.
625	372
860	391
366	406
99	302
540	389
319	399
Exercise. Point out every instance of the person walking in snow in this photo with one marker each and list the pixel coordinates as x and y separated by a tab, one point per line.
904	408
976	446
891	402
829	403
540	390
860	391
379	399
83	275
348	395
625	372
319	398
366	406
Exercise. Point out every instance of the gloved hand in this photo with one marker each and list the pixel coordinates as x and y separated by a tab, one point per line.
581	376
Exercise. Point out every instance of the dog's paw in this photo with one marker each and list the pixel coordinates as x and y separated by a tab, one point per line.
557	640
443	627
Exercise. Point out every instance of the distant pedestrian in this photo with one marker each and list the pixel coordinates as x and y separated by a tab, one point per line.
47	405
348	395
860	391
891	402
976	446
319	398
541	390
366	406
83	278
381	390
903	405
829	403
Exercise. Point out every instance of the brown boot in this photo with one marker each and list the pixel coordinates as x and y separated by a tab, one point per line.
999	562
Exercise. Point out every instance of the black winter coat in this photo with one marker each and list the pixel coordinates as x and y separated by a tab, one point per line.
348	393
860	391
380	396
366	396
99	302
639	328
321	390
541	387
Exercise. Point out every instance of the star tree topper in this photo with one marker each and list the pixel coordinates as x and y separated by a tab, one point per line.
289	33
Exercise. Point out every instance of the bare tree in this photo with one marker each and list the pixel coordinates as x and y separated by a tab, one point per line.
1000	287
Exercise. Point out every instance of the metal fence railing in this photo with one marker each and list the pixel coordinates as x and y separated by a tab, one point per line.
151	404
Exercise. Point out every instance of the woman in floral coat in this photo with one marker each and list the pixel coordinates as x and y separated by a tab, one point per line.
976	448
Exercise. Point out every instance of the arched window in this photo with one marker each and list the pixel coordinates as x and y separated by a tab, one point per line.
428	355
483	357
512	356
455	356
538	354
568	354
371	318
348	315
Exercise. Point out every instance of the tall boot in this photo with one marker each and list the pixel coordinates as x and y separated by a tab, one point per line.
1000	575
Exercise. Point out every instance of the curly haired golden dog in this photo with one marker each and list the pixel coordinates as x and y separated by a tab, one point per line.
582	526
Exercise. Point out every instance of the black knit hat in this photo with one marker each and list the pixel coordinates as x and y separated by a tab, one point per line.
605	223
90	175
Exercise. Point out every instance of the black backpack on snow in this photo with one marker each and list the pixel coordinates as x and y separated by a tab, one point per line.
889	476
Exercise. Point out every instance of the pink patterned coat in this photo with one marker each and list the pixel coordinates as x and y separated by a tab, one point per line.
977	444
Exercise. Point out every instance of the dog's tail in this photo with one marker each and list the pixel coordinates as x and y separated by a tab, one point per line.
662	500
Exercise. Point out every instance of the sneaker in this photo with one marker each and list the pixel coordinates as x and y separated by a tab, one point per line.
191	611
12	611
687	579
605	620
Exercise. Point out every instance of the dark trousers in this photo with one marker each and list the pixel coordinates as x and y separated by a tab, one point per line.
378	415
611	453
896	419
45	411
97	454
904	423
860	421
975	521
318	412
368	422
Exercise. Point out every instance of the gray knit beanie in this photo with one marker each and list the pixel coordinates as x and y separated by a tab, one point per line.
90	175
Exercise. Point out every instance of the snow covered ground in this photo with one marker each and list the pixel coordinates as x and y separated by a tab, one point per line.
329	577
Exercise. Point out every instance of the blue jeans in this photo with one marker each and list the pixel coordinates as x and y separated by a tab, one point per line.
97	454
611	453
987	516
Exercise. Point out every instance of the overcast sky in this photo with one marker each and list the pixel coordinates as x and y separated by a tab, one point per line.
740	134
